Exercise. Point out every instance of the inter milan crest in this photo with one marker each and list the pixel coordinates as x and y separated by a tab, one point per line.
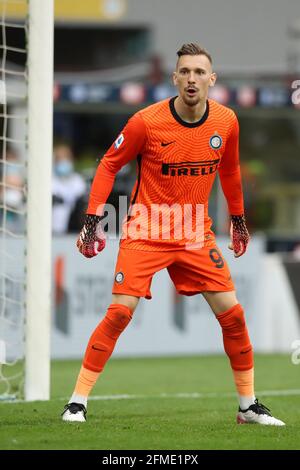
119	278
215	141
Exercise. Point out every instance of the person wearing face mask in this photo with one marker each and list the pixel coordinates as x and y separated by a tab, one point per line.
67	187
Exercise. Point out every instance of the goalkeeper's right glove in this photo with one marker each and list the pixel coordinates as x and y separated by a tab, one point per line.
239	235
91	239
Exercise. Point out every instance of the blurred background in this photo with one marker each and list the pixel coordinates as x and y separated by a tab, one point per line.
113	57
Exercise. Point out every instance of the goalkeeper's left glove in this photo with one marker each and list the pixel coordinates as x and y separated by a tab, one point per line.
91	239
239	235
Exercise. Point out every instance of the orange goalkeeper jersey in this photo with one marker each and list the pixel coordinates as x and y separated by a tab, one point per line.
176	167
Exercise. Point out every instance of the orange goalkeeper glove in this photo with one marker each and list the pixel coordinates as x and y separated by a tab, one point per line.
91	239
239	235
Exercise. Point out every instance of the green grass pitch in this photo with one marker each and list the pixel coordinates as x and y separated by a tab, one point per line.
158	409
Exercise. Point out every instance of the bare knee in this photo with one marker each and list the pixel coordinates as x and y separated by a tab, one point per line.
220	301
129	301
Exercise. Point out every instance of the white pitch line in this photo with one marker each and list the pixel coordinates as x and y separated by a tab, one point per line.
193	395
276	393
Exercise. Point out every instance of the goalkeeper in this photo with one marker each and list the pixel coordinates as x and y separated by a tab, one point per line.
179	144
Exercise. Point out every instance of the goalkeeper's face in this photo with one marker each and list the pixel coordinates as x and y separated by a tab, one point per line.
193	77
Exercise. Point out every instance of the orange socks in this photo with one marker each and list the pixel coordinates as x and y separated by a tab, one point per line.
85	382
102	342
244	382
236	339
101	346
238	348
104	338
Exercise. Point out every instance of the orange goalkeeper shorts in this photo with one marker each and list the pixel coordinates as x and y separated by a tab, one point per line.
192	271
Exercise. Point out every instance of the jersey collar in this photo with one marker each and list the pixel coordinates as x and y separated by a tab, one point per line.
184	123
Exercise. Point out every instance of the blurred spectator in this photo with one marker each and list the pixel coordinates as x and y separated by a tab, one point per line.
12	190
68	190
156	74
296	252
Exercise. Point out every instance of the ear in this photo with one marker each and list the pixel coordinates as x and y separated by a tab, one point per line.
174	76
213	79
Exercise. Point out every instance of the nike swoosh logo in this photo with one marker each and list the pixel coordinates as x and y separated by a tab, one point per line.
97	349
244	352
164	144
